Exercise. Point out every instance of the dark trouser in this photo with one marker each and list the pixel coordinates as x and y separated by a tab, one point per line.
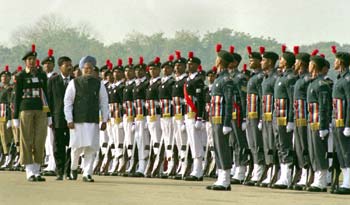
240	145
269	137
342	146
317	150
255	141
285	145
62	155
301	147
223	157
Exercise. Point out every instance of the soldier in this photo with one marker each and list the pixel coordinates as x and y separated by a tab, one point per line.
238	134
57	85
284	102
341	117
117	117
153	119
5	119
180	135
221	114
166	122
194	96
31	115
300	116
48	64
253	113
142	140
209	167
267	123
128	112
84	98
318	99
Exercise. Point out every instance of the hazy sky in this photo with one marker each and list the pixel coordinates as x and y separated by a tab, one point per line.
292	22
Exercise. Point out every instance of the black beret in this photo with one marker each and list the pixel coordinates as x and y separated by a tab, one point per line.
30	53
154	64
168	63
289	57
255	55
270	55
129	66
48	59
140	66
319	61
180	60
119	68
343	56
194	60
8	73
211	72
237	57
225	55
304	57
103	68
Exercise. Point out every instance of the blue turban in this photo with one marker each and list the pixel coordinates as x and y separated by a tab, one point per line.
87	59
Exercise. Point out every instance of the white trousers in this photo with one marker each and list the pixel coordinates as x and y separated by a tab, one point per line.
89	156
194	138
167	135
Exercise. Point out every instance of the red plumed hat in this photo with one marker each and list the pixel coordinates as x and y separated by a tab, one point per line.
218	47
296	50
232	49
334	49
249	50
284	48
262	50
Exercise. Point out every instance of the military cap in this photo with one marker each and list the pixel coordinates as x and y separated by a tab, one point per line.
141	65
6	71
253	55
129	65
318	60
304	57
169	62
105	66
193	59
289	57
155	63
236	56
49	58
270	55
179	59
119	66
19	69
343	56
32	52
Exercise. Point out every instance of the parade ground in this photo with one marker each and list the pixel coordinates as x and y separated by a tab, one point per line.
14	189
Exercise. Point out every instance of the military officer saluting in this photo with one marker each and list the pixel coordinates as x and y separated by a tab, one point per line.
341	117
300	115
221	116
283	93
318	99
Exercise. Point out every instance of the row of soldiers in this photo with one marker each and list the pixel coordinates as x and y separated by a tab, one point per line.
272	125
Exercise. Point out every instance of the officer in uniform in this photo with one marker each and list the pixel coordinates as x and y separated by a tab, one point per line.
267	124
318	99
179	106
221	115
117	116
5	119
48	64
341	117
166	121
128	117
31	115
194	96
238	135
141	132
300	116
153	119
254	98
284	110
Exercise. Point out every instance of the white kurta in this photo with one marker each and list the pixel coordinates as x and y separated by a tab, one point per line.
84	134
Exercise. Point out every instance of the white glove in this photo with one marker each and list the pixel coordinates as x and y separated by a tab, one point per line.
198	124
120	126
260	125
290	126
16	123
346	131
323	133
8	124
183	127
133	127
244	125
226	130
49	121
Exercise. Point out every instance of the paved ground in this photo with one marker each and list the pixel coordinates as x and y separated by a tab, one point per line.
14	189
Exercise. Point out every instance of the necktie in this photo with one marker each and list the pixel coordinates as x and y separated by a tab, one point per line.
66	80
